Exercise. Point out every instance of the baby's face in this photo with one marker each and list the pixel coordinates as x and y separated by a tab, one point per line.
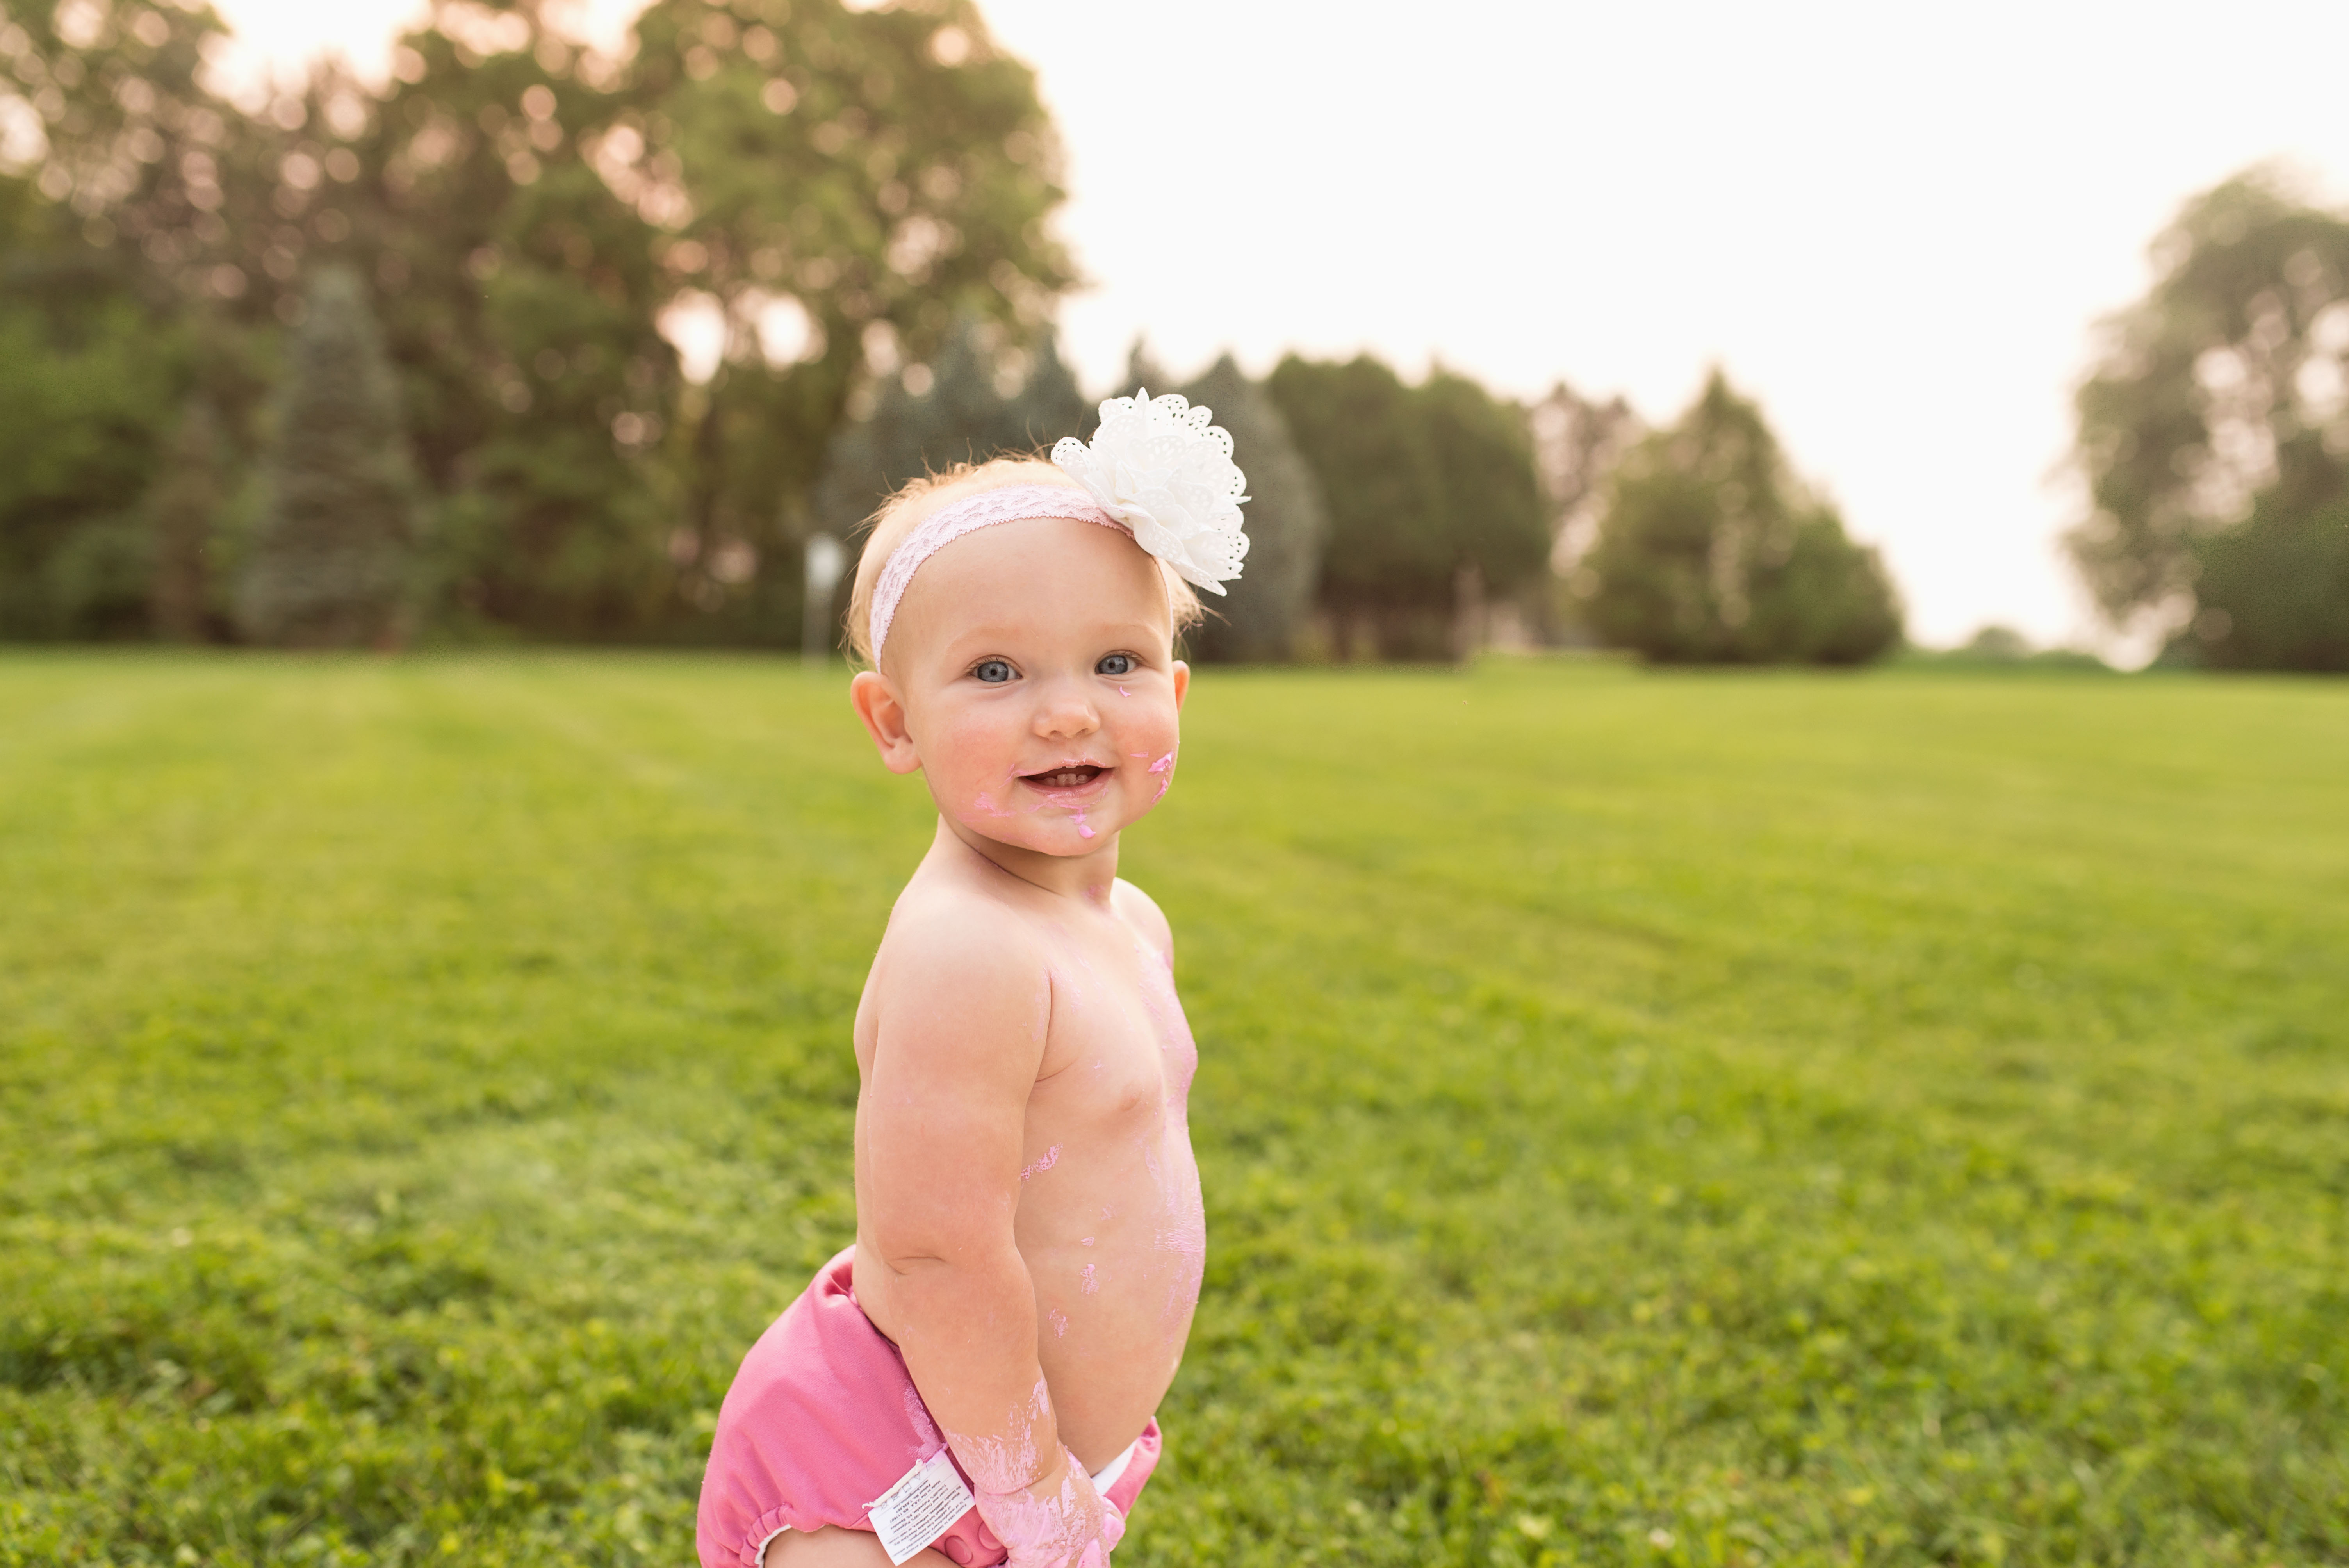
1040	689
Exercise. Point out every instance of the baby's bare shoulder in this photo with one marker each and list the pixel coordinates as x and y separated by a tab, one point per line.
1140	911
950	950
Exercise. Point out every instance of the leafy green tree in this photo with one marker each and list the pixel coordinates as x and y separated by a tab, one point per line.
2227	383
519	293
1712	551
103	106
2274	592
1422	485
865	179
85	398
329	565
1260	615
1577	441
155	184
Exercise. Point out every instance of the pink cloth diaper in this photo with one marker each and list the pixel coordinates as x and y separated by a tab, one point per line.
821	1419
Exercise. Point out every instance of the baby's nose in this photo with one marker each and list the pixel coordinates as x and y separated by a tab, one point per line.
1066	710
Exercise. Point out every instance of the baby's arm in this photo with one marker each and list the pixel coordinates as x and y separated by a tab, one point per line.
959	1038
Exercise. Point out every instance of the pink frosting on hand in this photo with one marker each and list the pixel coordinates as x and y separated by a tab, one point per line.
1074	1527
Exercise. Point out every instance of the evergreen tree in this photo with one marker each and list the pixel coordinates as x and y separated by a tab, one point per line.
1142	371
1712	552
974	404
182	510
1260	615
329	561
1490	493
1386	567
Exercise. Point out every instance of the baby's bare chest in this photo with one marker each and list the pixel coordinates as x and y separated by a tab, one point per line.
1118	1050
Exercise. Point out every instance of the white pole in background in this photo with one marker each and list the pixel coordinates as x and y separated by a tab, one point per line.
826	562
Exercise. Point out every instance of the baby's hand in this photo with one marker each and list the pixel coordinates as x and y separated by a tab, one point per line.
1060	1522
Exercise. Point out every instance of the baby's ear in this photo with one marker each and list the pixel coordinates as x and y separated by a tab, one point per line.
1181	673
876	702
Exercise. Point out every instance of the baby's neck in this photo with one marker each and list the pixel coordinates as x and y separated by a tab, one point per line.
1087	878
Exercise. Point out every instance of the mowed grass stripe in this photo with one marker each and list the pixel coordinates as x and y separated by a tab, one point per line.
1646	1118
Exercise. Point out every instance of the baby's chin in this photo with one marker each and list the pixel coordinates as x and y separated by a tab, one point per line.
1052	831
1067	841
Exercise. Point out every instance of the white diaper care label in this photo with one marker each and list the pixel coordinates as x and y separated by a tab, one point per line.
920	1508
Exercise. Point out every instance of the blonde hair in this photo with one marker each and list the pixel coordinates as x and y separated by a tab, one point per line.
916	498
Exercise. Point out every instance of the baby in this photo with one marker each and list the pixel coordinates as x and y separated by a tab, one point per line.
975	1381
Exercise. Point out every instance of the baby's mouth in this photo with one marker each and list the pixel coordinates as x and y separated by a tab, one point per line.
1075	777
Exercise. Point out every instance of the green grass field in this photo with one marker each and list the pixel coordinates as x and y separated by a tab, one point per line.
1646	1118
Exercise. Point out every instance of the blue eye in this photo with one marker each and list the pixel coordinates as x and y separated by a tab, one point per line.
1116	664
994	672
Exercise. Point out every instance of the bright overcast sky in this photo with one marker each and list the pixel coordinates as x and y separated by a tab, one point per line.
1895	227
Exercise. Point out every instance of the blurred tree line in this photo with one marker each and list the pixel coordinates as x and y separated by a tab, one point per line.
351	364
494	240
2214	437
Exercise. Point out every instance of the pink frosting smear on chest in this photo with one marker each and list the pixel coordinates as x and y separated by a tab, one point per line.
1051	1157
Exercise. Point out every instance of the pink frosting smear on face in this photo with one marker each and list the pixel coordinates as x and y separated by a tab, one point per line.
1164	768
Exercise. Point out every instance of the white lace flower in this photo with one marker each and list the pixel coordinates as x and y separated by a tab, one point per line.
1158	466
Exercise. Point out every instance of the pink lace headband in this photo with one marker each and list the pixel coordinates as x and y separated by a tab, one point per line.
1009	504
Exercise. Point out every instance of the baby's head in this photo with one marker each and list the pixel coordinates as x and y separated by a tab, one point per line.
917	501
1023	661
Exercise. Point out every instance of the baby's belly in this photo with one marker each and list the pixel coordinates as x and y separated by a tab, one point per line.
1116	1267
